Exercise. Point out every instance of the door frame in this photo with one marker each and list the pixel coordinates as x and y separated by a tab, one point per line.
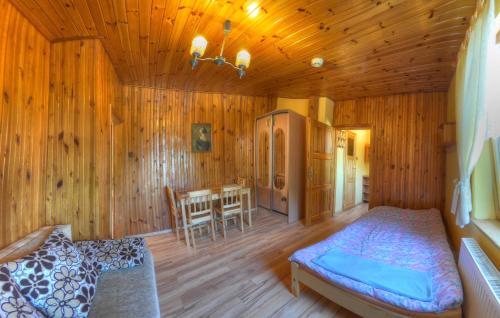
372	137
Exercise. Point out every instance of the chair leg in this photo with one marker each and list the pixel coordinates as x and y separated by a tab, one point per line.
241	221
224	227
213	229
192	236
176	226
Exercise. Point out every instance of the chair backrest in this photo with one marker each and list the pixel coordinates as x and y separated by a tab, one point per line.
171	201
231	198
199	206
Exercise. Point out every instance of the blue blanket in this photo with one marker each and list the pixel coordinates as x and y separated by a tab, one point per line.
397	280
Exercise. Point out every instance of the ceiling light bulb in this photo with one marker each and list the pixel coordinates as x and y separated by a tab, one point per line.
317	62
253	9
243	59
198	46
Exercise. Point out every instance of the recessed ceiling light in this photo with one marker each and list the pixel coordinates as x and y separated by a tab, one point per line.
253	9
316	62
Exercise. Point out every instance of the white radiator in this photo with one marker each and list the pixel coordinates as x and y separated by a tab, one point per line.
481	282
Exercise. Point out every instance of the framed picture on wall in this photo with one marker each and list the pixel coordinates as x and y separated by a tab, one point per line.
201	137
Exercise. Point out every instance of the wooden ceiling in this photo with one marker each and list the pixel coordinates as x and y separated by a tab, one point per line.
370	47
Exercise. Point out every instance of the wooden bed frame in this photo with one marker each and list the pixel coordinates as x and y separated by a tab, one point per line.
362	305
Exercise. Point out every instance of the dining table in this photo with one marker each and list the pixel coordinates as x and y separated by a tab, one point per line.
181	196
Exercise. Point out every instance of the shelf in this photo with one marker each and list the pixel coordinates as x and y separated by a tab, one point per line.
366	188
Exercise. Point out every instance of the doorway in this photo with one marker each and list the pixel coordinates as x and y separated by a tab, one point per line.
352	168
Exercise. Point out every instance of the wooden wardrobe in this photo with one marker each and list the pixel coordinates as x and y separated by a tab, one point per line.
280	155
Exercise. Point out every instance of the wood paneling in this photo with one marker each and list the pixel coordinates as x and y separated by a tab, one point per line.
24	74
152	148
407	157
83	91
370	47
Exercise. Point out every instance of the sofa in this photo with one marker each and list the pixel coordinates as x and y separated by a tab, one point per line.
123	293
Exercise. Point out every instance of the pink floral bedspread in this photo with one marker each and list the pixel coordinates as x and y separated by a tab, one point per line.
406	238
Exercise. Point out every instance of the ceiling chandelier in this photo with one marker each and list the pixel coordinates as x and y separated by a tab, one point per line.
199	45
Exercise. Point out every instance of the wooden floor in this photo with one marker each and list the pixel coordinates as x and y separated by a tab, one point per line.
248	275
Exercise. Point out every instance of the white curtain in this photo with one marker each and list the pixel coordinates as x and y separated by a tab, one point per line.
471	107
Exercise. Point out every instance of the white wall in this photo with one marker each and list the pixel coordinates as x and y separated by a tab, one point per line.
300	106
325	110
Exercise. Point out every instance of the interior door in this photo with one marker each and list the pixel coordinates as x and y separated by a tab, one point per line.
319	170
350	171
280	162
263	160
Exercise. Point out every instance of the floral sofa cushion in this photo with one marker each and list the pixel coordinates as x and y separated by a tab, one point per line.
12	303
107	255
56	279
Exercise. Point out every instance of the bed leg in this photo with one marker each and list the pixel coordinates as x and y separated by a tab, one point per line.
295	279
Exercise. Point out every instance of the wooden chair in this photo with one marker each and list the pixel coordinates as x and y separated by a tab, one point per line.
230	206
200	212
243	183
174	213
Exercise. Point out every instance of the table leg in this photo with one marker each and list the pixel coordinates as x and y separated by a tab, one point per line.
184	222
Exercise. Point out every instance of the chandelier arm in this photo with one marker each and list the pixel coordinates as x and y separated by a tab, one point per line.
205	59
222	46
231	64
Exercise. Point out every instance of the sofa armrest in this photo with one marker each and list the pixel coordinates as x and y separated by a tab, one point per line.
30	243
66	229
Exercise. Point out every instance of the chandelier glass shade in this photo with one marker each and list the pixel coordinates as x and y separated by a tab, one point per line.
199	45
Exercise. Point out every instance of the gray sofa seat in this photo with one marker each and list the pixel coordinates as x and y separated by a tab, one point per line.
127	293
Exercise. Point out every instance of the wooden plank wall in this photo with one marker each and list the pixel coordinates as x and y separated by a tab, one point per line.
24	74
83	90
407	157
152	148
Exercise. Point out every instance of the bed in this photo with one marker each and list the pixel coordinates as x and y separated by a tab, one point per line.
409	239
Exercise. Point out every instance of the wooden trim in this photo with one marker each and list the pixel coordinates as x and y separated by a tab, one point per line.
449	134
309	171
167	231
479	8
78	38
353	127
357	303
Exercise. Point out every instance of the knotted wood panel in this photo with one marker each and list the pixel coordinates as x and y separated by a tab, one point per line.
406	153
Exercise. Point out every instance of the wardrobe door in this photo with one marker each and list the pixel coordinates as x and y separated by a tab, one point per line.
263	161
280	162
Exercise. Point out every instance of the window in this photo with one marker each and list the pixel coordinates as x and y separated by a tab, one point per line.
493	112
486	177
